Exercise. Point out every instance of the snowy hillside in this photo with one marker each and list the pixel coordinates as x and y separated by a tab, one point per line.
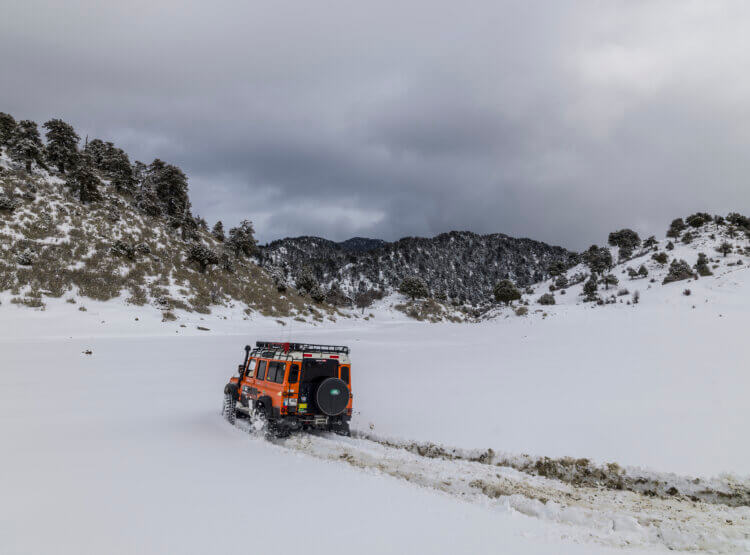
594	428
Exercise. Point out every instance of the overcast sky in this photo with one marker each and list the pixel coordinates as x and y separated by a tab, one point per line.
558	121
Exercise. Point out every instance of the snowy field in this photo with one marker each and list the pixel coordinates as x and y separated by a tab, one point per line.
124	450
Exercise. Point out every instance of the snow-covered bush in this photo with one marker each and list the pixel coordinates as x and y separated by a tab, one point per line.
546	299
678	271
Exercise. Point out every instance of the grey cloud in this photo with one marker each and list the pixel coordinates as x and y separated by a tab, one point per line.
415	118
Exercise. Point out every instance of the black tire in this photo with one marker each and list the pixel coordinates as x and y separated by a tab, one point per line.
342	429
229	410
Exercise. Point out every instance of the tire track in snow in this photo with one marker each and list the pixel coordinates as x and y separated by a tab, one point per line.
593	514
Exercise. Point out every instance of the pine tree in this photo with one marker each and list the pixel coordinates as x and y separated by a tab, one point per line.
701	266
96	148
82	179
203	256
62	144
506	292
242	239
414	287
626	240
7	125
589	288
608	280
598	259
26	145
725	248
218	231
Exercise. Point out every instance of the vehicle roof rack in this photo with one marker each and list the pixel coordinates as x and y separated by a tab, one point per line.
306	347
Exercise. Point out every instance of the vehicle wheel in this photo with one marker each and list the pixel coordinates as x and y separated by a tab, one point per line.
229	409
342	429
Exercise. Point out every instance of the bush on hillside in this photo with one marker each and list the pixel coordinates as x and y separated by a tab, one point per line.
505	292
679	270
546	299
414	287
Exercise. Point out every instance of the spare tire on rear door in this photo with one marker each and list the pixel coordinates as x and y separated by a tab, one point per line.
332	396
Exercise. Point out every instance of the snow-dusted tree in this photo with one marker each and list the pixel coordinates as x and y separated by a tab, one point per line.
642	271
218	231
171	187
242	239
698	219
506	292
678	270
7	125
414	287
660	257
725	248
96	149
589	288
598	259
116	165
546	299
701	266
675	228
82	179
203	256
626	240
608	280
25	144
556	268
62	144
650	242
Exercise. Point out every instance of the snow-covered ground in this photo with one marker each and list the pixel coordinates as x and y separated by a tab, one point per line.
124	450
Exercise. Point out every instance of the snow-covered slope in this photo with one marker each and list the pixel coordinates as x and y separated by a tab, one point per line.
124	450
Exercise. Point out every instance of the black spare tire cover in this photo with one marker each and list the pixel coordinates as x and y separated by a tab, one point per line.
332	396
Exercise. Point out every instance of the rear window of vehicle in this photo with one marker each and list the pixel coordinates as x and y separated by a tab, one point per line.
345	374
261	370
314	369
276	371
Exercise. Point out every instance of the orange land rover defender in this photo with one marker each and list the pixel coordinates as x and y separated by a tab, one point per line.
294	386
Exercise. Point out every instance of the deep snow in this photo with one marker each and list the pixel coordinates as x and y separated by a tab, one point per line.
124	450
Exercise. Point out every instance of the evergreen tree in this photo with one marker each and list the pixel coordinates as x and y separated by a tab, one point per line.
589	288
556	268
414	287
7	125
218	231
62	144
26	145
203	256
506	292
643	271
701	266
598	259
675	228
608	280
650	242
626	240
116	165
725	248
82	179
170	186
242	239
96	149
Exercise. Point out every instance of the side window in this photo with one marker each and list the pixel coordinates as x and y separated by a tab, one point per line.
294	373
276	371
261	370
345	374
251	367
272	367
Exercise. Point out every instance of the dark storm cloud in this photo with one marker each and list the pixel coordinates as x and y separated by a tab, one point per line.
557	121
